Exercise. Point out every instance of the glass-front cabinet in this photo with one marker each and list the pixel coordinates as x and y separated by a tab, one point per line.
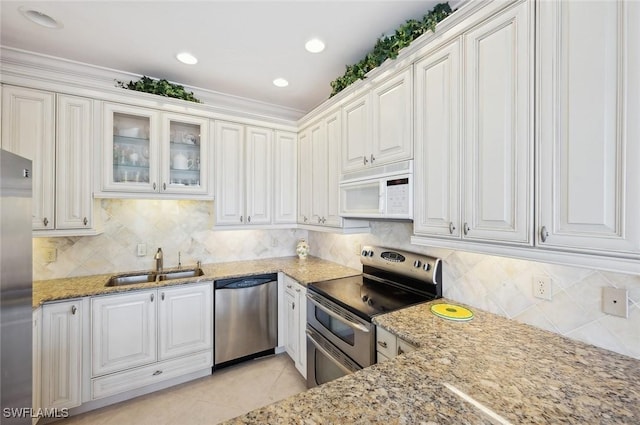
148	151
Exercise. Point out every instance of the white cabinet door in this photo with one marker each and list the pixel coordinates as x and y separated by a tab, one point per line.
438	125
285	178
301	362
74	142
229	165
333	131
123	331
185	320
28	130
61	354
259	175
304	176
392	109
291	322
36	365
589	104
356	146
498	163
319	172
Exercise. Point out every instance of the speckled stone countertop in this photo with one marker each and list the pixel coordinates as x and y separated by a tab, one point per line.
305	271
523	374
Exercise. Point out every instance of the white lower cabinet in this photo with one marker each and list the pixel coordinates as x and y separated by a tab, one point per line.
389	345
61	353
144	337
294	325
36	364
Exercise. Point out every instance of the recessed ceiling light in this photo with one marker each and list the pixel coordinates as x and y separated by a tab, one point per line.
315	45
280	82
40	18
187	58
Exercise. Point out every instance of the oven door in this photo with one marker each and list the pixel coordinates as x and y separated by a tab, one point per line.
324	361
349	333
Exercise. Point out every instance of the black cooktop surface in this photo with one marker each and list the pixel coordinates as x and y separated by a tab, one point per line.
367	297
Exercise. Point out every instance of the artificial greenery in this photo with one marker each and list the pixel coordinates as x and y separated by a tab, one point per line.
387	47
159	87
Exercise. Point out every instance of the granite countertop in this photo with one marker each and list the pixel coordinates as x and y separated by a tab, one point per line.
305	271
523	374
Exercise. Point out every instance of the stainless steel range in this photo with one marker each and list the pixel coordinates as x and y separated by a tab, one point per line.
340	335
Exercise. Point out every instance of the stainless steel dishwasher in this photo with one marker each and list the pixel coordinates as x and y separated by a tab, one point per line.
246	318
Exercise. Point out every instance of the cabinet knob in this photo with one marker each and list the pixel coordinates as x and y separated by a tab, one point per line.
162	296
452	228
305	218
45	221
544	234
323	220
297	289
400	351
248	219
152	297
164	186
157	372
293	306
365	160
154	185
85	221
319	220
289	286
382	344
73	309
466	228
241	219
373	158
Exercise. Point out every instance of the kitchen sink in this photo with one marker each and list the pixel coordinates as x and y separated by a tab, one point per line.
134	278
131	279
180	274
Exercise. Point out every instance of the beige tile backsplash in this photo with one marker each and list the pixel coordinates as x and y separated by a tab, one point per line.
499	285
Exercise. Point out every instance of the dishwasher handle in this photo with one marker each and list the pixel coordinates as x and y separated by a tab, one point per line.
245	282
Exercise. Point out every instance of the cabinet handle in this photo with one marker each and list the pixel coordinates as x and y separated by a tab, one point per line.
451	227
241	220
162	296
297	289
319	220
289	286
152	297
293	306
157	372
73	309
382	344
373	158
248	219
154	185
466	228
365	160
164	186
544	234
45	221
323	220
85	221
400	351
305	218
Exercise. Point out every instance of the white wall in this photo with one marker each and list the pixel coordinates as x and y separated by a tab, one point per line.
176	226
504	286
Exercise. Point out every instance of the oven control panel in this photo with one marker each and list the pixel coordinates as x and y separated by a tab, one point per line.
418	266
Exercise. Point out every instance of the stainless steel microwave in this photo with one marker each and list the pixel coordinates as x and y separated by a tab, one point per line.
382	192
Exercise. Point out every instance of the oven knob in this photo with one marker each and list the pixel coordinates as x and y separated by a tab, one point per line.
427	267
370	253
365	298
417	264
370	301
364	252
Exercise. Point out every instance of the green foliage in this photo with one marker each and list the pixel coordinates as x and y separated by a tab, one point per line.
159	87
389	47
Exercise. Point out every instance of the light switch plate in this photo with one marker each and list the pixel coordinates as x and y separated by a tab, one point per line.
142	249
615	301
50	255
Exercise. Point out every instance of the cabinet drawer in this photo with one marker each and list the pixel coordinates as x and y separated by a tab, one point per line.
385	343
404	347
137	378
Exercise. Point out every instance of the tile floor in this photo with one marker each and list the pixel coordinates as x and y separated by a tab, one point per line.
227	393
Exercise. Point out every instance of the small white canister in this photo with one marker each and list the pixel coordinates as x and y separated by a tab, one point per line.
302	249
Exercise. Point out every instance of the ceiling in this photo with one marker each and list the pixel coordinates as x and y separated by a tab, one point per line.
241	46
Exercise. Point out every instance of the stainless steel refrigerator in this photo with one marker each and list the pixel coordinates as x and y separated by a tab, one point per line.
15	288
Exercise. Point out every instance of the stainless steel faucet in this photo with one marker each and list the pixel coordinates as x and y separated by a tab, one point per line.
159	261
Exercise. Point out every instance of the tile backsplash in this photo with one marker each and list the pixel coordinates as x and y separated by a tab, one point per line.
175	226
504	286
499	285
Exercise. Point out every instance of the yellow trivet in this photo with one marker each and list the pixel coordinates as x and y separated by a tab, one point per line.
452	312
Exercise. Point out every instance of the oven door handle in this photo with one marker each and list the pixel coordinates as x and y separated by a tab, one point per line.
328	355
344	320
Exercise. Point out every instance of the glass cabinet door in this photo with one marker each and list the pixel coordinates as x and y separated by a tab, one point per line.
131	149
184	158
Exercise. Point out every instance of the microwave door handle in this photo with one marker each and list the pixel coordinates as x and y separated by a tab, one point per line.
328	355
381	196
347	322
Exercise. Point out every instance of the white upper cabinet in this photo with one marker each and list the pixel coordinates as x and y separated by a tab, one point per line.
438	127
498	124
145	151
304	176
244	174
589	131
285	177
28	130
377	125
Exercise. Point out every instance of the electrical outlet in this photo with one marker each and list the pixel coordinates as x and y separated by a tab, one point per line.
50	255
142	249
615	301
356	248
542	287
274	242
